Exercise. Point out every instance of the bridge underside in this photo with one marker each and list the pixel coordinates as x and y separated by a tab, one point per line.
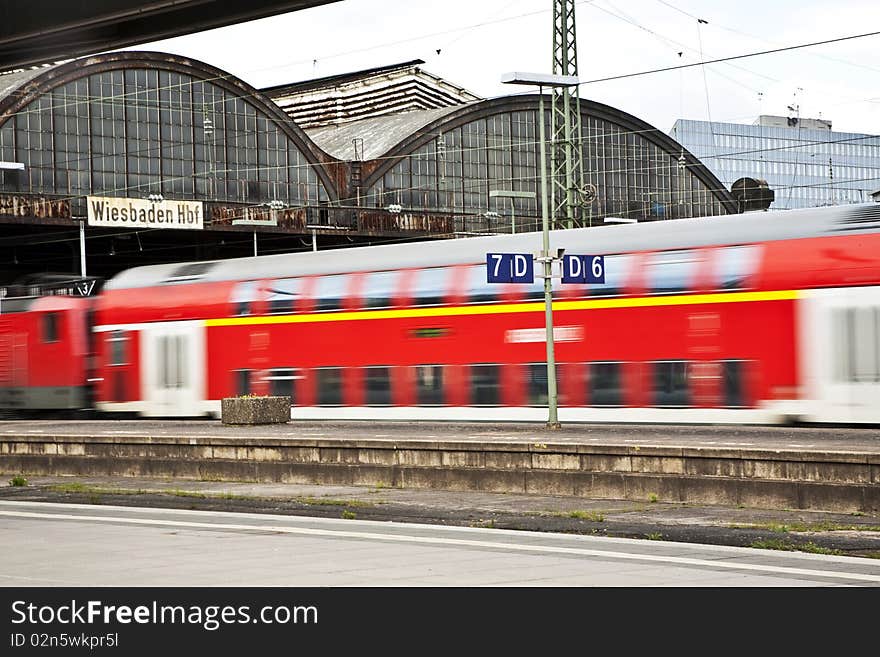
40	31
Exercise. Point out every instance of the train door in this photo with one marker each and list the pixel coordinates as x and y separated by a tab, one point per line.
840	354
13	367
173	358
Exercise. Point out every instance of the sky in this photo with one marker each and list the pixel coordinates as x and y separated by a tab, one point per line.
472	43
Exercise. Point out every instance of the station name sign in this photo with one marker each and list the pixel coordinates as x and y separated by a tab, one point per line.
142	213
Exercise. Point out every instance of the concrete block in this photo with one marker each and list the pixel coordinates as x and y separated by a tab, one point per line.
556	461
272	409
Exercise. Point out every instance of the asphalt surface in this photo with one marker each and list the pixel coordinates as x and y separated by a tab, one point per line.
785	529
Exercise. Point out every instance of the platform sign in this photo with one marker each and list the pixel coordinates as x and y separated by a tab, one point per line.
583	268
510	268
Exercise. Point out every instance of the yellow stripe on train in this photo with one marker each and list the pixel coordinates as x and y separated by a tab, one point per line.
507	308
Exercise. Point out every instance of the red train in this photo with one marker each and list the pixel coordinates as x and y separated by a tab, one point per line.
755	318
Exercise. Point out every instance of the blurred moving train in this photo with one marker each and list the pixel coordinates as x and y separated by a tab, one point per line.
762	317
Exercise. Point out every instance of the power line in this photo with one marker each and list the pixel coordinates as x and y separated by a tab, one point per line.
733	57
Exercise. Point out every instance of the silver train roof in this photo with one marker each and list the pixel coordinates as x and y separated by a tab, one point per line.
598	240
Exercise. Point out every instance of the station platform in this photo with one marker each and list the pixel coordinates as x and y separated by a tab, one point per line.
831	469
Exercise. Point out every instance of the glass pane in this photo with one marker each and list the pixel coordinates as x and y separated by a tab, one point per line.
734	265
283	295
429	286
605	384
377	384
670	384
732	372
380	288
330	291
485	385
329	386
429	385
671	271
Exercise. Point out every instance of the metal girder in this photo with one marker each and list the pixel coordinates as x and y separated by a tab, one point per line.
566	154
39	31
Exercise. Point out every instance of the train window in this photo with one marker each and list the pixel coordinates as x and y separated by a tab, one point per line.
281	381
605	384
329	386
534	291
485	385
734	265
118	343
477	290
377	382
732	382
429	286
429	385
617	269
282	295
243	296
330	291
380	288
189	272
50	327
242	381
670	271
855	336
172	359
536	387
669	385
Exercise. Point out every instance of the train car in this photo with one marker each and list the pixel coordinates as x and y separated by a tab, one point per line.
45	354
762	317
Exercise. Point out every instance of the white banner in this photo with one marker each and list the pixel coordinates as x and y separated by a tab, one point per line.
142	213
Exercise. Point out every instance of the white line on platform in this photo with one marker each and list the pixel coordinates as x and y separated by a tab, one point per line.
438	540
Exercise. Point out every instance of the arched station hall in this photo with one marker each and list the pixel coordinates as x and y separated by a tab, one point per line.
147	131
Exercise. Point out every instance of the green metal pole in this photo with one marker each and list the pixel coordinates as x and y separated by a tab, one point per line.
552	421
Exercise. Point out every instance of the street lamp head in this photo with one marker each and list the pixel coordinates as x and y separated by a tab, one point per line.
540	79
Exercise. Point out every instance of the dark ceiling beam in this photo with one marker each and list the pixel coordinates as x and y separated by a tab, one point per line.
39	31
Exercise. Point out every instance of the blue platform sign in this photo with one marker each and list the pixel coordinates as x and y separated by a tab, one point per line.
510	268
583	268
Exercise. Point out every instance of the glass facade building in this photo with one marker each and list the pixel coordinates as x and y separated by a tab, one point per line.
803	161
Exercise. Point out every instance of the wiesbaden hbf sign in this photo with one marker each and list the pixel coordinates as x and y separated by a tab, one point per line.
142	213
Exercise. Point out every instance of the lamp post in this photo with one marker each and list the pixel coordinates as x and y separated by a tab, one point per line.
542	80
511	194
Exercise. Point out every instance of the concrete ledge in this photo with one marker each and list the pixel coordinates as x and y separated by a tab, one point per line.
255	410
830	481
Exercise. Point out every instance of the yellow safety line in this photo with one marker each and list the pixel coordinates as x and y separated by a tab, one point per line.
507	308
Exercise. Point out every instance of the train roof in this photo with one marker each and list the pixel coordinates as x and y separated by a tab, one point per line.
599	240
